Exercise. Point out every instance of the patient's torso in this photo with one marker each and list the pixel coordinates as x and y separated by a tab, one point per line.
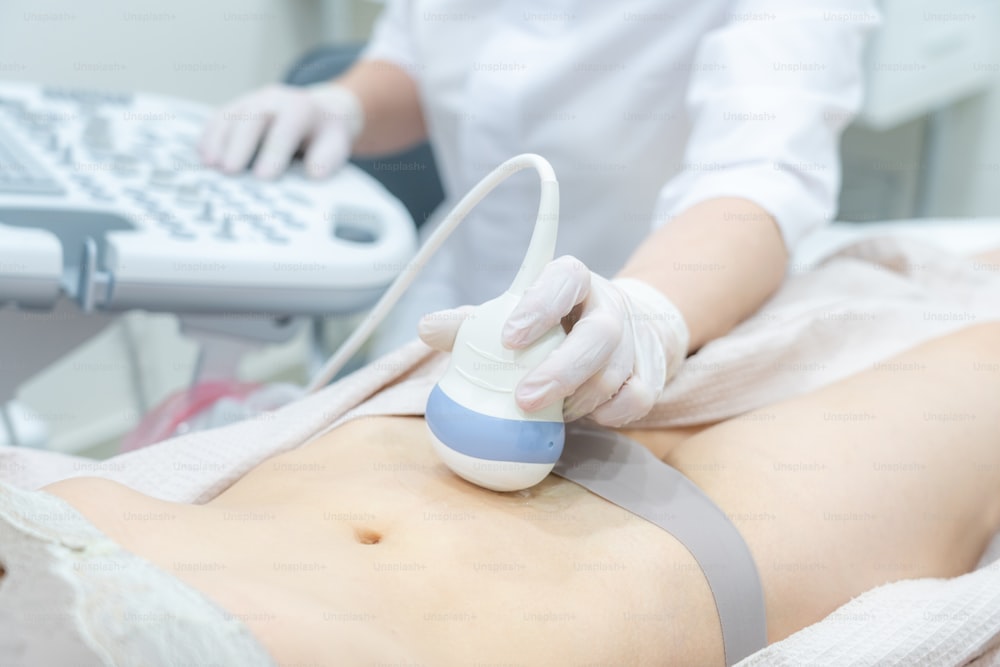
362	548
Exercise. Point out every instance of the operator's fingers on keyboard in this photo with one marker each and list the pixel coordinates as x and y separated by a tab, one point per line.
562	284
602	385
248	125
586	350
327	151
213	138
291	124
439	329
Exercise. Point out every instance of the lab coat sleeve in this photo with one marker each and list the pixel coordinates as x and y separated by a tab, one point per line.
392	37
770	93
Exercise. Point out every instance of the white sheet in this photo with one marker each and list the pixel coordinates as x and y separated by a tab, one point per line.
961	236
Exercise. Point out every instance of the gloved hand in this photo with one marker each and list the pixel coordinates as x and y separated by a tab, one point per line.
626	341
324	120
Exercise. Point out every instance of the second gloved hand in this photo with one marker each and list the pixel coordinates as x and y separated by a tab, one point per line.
274	122
626	340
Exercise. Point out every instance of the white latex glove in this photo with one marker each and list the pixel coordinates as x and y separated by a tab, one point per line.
626	341
324	120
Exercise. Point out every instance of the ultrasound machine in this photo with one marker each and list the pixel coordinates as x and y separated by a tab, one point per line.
105	207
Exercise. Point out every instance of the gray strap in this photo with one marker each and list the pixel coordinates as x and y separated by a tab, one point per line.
625	473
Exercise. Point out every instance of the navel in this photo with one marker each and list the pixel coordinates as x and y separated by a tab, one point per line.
367	535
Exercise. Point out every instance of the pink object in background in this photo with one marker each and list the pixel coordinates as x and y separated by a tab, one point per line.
174	414
206	405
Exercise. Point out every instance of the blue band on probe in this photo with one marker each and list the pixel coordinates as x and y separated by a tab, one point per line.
492	438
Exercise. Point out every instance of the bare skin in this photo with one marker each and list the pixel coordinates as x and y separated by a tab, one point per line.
718	262
394	119
361	548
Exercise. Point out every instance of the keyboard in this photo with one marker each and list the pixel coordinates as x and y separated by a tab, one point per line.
103	199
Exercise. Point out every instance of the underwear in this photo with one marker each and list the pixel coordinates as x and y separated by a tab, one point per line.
69	595
626	474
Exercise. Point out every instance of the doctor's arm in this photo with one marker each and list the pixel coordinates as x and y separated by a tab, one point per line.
717	262
690	281
769	95
390	103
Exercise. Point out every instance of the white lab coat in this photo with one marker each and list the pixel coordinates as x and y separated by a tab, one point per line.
643	107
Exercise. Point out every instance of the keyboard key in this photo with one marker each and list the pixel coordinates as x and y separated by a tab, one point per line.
162	178
125	164
293	196
21	174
